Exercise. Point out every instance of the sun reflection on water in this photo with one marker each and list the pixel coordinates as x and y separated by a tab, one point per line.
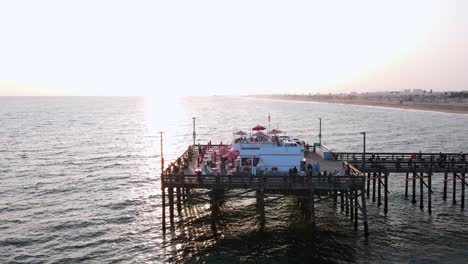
166	114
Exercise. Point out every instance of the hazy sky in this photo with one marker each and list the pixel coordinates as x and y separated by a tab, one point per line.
231	47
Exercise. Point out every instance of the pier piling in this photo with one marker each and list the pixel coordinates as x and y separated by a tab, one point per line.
351	204
414	188
364	215
356	209
184	195
386	193
379	195
421	191
445	186
214	209
312	207
429	193
179	201
260	195
163	202
454	199
347	203
462	198
368	184
342	200
171	205
406	185
373	186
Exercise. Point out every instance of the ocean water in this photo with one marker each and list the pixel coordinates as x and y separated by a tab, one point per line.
79	182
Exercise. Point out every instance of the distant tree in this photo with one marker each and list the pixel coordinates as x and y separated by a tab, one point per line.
458	94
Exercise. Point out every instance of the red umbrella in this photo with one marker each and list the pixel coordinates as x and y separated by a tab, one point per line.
258	128
240	133
275	131
260	134
232	155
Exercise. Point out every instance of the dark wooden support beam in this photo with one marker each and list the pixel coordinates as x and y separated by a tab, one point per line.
214	209
171	205
179	201
261	208
311	208
421	190
347	203
342	200
364	214
351	204
386	193
414	188
373	186
355	210
454	200
379	195
445	186
184	195
163	202
188	195
368	184
406	185
429	193
462	198
335	197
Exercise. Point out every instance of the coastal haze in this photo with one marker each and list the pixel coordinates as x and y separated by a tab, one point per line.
87	87
207	47
80	182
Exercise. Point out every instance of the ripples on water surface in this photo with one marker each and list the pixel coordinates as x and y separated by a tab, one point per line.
80	182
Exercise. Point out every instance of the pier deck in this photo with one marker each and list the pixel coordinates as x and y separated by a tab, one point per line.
407	162
367	175
180	178
422	167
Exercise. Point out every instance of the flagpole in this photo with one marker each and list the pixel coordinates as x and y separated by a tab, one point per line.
269	128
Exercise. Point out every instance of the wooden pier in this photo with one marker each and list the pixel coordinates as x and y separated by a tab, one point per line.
422	167
366	176
181	178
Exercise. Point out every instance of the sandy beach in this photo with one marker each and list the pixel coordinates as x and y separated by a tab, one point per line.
459	109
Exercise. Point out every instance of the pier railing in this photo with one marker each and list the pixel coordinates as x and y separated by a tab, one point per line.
266	182
407	162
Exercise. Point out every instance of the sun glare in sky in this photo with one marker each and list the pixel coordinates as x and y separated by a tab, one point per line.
156	48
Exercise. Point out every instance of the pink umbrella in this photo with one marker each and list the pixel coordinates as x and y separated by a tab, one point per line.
223	151
258	128
260	134
240	133
275	131
232	155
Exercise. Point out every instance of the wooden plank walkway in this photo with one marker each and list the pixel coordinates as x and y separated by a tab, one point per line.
407	162
186	176
276	183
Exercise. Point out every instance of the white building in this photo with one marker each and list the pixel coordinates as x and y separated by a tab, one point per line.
280	154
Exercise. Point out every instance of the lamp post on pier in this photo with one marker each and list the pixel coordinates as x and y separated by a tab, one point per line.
320	131
163	190
162	153
364	152
194	133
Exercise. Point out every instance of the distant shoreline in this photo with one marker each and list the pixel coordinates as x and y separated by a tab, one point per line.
457	109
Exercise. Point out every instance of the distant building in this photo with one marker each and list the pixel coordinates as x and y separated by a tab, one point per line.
417	91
